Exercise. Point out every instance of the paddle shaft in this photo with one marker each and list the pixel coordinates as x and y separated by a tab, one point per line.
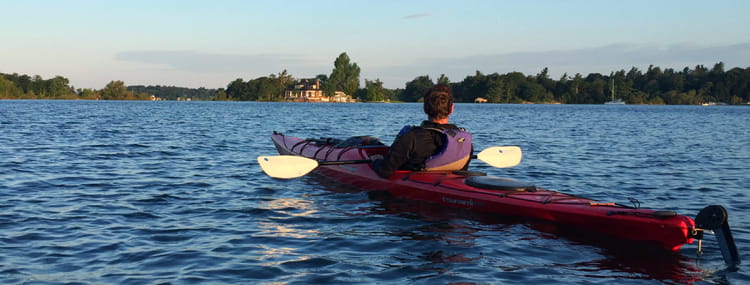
325	162
340	162
293	166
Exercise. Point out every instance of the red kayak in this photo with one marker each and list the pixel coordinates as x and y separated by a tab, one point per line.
479	192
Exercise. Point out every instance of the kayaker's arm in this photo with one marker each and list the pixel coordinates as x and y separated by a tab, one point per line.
398	155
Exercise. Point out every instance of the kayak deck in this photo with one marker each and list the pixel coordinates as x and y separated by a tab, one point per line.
476	192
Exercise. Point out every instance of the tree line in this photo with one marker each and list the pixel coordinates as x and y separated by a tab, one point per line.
688	86
15	86
174	93
654	86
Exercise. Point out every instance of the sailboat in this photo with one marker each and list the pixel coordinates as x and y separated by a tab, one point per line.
614	101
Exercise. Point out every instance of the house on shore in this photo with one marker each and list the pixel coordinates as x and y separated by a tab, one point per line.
480	100
309	90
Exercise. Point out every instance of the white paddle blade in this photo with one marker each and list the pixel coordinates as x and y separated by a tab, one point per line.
286	166
501	156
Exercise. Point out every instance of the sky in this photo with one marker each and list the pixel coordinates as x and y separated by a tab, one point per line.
190	43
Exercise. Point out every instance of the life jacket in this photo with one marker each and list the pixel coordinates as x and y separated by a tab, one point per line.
455	153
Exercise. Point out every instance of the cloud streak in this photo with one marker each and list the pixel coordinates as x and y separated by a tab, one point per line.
417	16
603	59
191	61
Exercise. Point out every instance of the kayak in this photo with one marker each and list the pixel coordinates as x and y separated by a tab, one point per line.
489	194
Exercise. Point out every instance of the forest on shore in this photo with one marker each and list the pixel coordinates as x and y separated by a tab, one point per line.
689	86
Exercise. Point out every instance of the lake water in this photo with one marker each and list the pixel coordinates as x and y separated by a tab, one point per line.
96	192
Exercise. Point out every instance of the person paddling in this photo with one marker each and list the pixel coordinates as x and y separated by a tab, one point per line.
433	145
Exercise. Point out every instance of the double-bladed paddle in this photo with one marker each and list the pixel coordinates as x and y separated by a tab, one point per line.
293	166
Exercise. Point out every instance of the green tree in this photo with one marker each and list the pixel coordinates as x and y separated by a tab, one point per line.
513	87
443	79
530	91
58	87
543	79
173	92
22	81
344	77
495	91
238	90
739	81
562	91
595	89
323	80
471	88
8	89
221	95
89	94
416	88
38	86
375	91
282	81
115	90
267	89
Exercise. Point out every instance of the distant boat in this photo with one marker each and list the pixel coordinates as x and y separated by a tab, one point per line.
617	101
614	101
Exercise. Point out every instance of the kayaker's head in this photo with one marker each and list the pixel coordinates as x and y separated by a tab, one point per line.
438	103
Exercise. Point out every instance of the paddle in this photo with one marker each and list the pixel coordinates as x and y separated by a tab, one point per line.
293	166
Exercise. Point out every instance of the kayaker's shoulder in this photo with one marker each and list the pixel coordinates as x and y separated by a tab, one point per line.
433	125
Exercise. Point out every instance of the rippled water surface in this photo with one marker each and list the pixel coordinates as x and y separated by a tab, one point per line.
169	192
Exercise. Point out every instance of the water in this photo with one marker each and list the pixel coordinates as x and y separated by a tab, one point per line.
169	192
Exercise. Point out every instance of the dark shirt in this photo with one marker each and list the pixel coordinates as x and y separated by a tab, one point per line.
410	150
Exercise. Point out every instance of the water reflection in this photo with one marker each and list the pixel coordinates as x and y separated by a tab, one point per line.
284	231
284	224
511	244
291	206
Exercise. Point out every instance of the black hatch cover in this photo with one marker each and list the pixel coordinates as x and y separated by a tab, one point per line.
498	183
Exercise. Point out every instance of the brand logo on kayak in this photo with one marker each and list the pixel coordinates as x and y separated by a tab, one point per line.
469	202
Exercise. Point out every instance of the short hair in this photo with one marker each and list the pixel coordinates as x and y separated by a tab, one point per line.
438	101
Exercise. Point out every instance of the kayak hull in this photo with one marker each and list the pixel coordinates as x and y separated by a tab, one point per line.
664	229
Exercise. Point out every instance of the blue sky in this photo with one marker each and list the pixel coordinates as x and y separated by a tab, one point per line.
211	43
